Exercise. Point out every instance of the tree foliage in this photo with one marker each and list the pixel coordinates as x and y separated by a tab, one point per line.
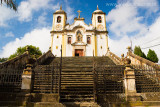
138	51
3	59
32	50
10	3
152	56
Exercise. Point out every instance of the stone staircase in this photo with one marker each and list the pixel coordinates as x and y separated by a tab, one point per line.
77	77
77	84
45	79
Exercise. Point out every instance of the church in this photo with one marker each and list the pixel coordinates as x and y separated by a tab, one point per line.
68	81
79	38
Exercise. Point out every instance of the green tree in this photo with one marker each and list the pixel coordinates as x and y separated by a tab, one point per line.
152	56
32	50
138	51
3	59
10	3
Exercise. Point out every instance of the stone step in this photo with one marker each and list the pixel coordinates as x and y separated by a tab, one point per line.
77	99
12	104
81	104
76	81
45	104
77	87
76	96
85	91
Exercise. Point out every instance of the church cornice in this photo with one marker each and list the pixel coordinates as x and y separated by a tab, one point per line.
97	31
57	31
98	13
73	30
61	12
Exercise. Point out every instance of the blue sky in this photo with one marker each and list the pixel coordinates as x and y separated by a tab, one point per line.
127	20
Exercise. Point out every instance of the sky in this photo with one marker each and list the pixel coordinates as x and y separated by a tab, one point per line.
129	23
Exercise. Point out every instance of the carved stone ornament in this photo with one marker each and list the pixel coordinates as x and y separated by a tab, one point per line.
58	27
127	61
100	27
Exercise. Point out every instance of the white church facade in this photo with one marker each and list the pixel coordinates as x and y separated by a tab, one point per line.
79	39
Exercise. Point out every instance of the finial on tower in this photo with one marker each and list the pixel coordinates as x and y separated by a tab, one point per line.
97	7
61	7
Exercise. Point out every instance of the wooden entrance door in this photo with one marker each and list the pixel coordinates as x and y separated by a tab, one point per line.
79	52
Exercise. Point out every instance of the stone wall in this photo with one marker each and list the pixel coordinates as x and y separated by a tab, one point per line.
43	58
17	62
137	60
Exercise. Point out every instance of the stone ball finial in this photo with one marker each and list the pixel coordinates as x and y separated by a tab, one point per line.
127	61
122	55
129	49
108	49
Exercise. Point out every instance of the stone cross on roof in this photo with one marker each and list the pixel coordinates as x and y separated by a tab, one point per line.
79	13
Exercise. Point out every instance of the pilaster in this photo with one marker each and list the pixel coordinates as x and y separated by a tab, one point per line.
64	44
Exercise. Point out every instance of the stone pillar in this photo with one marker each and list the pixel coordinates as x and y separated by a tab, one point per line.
122	59
27	79
129	82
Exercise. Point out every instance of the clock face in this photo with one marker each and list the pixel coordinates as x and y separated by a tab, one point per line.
100	27
58	27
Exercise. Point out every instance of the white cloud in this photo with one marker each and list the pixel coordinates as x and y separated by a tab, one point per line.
41	21
70	12
9	34
119	46
38	37
5	15
150	5
125	20
126	24
26	8
56	7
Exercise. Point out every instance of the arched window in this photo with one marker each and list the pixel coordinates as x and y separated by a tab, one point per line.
99	19
59	19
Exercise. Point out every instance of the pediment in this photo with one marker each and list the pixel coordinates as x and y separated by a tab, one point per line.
79	24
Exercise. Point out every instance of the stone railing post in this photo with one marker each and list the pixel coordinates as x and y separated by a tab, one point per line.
129	82
27	79
122	59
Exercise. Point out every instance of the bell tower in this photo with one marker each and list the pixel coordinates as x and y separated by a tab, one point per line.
59	20
99	20
100	37
57	32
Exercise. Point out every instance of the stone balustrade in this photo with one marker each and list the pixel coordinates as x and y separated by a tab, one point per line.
117	60
15	62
